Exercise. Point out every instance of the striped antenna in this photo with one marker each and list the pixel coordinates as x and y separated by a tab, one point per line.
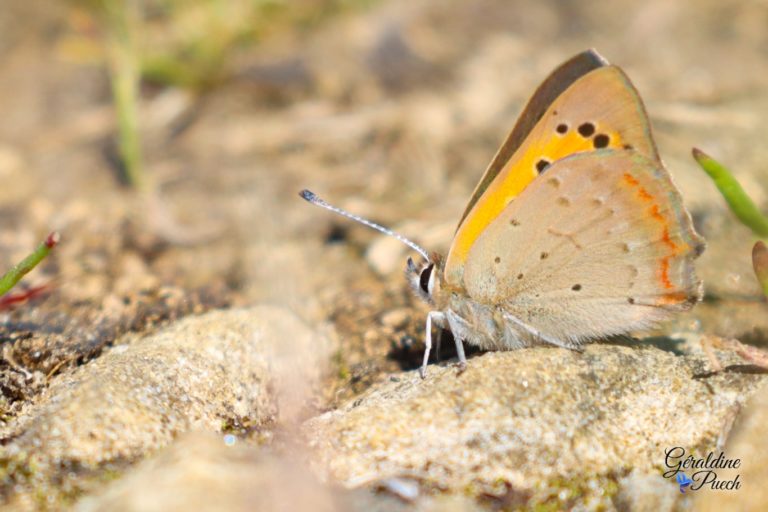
314	199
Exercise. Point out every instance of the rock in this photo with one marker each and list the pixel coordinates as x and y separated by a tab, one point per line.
646	491
237	367
557	424
748	444
200	472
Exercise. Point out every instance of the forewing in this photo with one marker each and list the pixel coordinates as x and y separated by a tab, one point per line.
599	110
552	87
601	244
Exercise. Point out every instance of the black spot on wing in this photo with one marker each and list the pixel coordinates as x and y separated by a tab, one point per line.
586	129
601	141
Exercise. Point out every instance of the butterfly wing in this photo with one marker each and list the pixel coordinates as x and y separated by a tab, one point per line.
599	245
554	85
601	109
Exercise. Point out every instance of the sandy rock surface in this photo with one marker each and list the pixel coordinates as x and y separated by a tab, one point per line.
541	421
225	370
200	472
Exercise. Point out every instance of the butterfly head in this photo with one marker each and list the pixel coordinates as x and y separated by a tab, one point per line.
424	278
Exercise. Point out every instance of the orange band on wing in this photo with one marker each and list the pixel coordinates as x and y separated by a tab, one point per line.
488	208
656	215
673	298
532	163
665	273
668	240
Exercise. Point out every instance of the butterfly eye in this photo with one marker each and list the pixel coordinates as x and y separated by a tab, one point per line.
425	278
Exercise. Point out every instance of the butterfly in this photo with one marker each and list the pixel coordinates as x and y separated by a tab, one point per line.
575	232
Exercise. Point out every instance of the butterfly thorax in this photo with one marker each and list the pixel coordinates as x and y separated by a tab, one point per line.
483	325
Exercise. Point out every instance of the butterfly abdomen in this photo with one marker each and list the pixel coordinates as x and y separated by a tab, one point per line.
485	326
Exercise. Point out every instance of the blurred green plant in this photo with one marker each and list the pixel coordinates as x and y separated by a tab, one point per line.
123	64
119	24
14	275
738	200
185	43
760	264
743	207
191	43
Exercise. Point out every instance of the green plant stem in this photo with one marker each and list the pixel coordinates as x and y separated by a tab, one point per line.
738	200
14	275
760	264
123	64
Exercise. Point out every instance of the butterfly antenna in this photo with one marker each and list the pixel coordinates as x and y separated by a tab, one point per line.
314	199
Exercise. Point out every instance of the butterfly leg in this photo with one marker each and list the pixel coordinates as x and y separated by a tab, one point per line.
438	317
460	329
540	335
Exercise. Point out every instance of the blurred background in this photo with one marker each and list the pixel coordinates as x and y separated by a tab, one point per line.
167	140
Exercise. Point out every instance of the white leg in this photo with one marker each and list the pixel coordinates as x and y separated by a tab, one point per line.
540	335
460	353
427	346
439	319
458	327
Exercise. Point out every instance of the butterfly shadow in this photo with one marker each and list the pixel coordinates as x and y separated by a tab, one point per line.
744	369
676	346
666	343
408	352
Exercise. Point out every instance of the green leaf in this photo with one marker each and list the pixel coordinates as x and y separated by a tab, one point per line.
738	200
14	275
